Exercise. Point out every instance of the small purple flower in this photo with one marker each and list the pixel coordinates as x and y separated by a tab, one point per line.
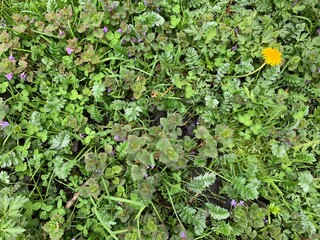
146	175
105	29
61	32
183	235
158	9
133	40
145	2
69	50
236	30
192	152
318	31
266	221
23	75
9	76
109	90
119	30
112	152
4	124
117	137
124	139
234	48
233	203
241	203
11	58
140	40
152	166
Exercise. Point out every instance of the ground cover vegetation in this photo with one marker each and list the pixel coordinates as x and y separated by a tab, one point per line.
160	120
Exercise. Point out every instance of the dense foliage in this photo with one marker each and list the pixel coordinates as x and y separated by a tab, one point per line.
160	119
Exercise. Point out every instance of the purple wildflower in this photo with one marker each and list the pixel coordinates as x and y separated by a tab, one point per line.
152	166
105	29
158	9
109	90
145	2
266	221
23	75
9	76
124	139
119	30
69	50
4	124
11	58
241	203
133	40
117	137
183	235
233	203
61	32
234	48
140	40
146	175
236	30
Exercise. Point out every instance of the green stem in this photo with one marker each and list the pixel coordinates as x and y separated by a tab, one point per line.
248	74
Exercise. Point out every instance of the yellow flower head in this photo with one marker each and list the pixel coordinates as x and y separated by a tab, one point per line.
272	56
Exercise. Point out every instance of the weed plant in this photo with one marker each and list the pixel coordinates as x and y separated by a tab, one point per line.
159	120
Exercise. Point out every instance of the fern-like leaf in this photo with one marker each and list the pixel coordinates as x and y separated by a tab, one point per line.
118	105
192	58
4	177
217	212
187	214
95	113
9	230
199	183
11	158
199	221
61	140
97	90
151	19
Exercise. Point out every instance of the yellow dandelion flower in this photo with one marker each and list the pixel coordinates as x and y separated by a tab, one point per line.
272	56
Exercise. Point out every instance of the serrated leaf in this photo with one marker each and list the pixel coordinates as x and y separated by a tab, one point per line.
217	212
200	183
305	181
97	90
61	140
4	177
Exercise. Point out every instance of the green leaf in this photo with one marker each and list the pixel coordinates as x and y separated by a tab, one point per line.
97	90
61	140
200	183
305	181
137	172
217	212
4	177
